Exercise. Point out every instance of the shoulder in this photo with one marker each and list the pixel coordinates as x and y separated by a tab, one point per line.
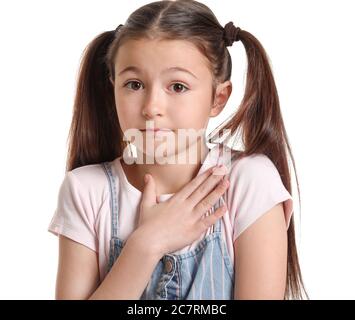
255	187
255	180
256	166
88	183
92	175
83	196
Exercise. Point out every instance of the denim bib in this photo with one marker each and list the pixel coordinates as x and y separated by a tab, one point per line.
203	273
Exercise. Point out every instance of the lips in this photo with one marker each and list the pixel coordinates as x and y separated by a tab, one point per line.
155	129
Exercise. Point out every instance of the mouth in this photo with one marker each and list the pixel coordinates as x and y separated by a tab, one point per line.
155	129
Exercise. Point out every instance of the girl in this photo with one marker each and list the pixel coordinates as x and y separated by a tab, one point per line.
150	230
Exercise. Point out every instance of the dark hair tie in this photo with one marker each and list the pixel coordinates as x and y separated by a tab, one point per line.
231	33
118	27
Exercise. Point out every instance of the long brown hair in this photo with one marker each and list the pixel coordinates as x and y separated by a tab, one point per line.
95	134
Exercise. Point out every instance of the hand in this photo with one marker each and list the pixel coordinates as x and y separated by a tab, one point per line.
171	225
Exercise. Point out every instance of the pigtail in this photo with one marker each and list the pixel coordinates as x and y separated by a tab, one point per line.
94	133
259	123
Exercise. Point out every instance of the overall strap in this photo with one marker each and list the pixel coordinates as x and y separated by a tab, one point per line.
221	201
218	223
113	199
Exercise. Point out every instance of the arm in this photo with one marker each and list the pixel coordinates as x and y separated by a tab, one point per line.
261	258
127	278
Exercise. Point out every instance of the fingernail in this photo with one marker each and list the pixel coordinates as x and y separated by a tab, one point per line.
146	178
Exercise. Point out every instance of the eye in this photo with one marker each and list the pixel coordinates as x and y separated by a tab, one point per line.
132	82
180	86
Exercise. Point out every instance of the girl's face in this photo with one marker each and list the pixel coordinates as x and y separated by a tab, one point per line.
162	83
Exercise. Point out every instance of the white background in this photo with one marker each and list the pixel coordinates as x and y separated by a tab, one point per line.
311	49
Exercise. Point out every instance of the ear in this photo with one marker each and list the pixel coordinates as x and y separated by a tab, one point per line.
223	92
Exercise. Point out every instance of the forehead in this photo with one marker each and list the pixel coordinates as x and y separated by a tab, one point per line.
160	54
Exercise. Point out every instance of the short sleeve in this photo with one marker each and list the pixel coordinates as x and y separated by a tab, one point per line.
255	188
74	216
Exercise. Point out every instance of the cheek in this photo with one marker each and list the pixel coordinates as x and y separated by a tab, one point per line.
195	113
126	119
127	114
194	116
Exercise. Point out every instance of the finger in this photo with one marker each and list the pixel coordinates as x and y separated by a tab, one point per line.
208	202
206	187
149	196
191	186
208	221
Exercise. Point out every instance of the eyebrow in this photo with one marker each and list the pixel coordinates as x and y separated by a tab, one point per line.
137	70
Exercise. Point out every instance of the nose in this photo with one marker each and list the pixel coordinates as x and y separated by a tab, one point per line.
153	104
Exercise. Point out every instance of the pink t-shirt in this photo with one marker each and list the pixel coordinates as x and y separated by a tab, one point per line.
83	208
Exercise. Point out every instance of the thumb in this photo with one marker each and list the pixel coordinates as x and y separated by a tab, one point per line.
149	196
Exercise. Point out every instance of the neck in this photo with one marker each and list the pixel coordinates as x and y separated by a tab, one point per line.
169	178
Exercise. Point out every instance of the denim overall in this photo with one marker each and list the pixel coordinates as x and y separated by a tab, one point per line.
202	273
